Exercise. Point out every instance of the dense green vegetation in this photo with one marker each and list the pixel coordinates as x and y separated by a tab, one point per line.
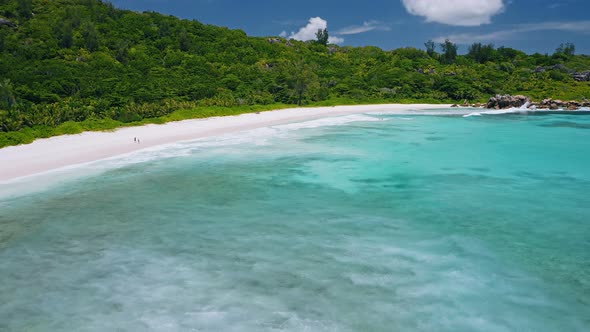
73	65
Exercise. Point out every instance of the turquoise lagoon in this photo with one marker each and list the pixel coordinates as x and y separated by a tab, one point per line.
368	222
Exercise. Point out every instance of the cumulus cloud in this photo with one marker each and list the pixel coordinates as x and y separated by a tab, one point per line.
309	31
335	40
455	12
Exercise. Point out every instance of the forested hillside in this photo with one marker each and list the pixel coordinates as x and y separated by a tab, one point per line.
72	65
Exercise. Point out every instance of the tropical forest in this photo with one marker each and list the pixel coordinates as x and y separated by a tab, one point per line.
68	66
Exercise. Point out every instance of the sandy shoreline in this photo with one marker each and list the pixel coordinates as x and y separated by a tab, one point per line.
56	152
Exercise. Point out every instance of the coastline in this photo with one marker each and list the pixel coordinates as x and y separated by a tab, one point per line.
53	153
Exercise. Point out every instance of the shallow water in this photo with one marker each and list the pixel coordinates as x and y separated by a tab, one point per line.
358	223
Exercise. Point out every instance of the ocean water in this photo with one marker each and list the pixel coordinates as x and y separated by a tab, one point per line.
370	222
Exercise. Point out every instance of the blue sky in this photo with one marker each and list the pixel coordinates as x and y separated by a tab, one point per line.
529	25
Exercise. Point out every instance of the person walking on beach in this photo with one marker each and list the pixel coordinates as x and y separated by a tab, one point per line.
135	139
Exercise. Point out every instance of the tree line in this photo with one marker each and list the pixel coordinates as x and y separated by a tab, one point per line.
85	60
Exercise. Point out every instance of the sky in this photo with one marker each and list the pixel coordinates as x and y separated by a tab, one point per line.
529	25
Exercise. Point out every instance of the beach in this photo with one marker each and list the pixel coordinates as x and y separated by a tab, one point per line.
366	221
53	153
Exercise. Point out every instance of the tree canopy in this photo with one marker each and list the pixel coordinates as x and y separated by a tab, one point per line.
322	36
84	61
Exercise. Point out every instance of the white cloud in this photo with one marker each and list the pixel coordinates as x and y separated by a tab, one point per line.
309	31
468	38
283	34
365	27
455	12
335	40
571	26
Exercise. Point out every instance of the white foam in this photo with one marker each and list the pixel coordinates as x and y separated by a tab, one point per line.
500	112
325	122
259	137
56	152
525	109
472	114
448	111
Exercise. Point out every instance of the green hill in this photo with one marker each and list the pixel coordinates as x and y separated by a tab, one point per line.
73	65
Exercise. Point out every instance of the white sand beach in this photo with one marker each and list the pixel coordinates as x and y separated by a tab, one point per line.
53	153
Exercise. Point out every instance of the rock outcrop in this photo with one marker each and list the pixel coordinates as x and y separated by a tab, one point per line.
551	104
573	108
507	101
582	77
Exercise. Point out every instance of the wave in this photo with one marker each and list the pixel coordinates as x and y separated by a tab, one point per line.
524	109
258	137
326	122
